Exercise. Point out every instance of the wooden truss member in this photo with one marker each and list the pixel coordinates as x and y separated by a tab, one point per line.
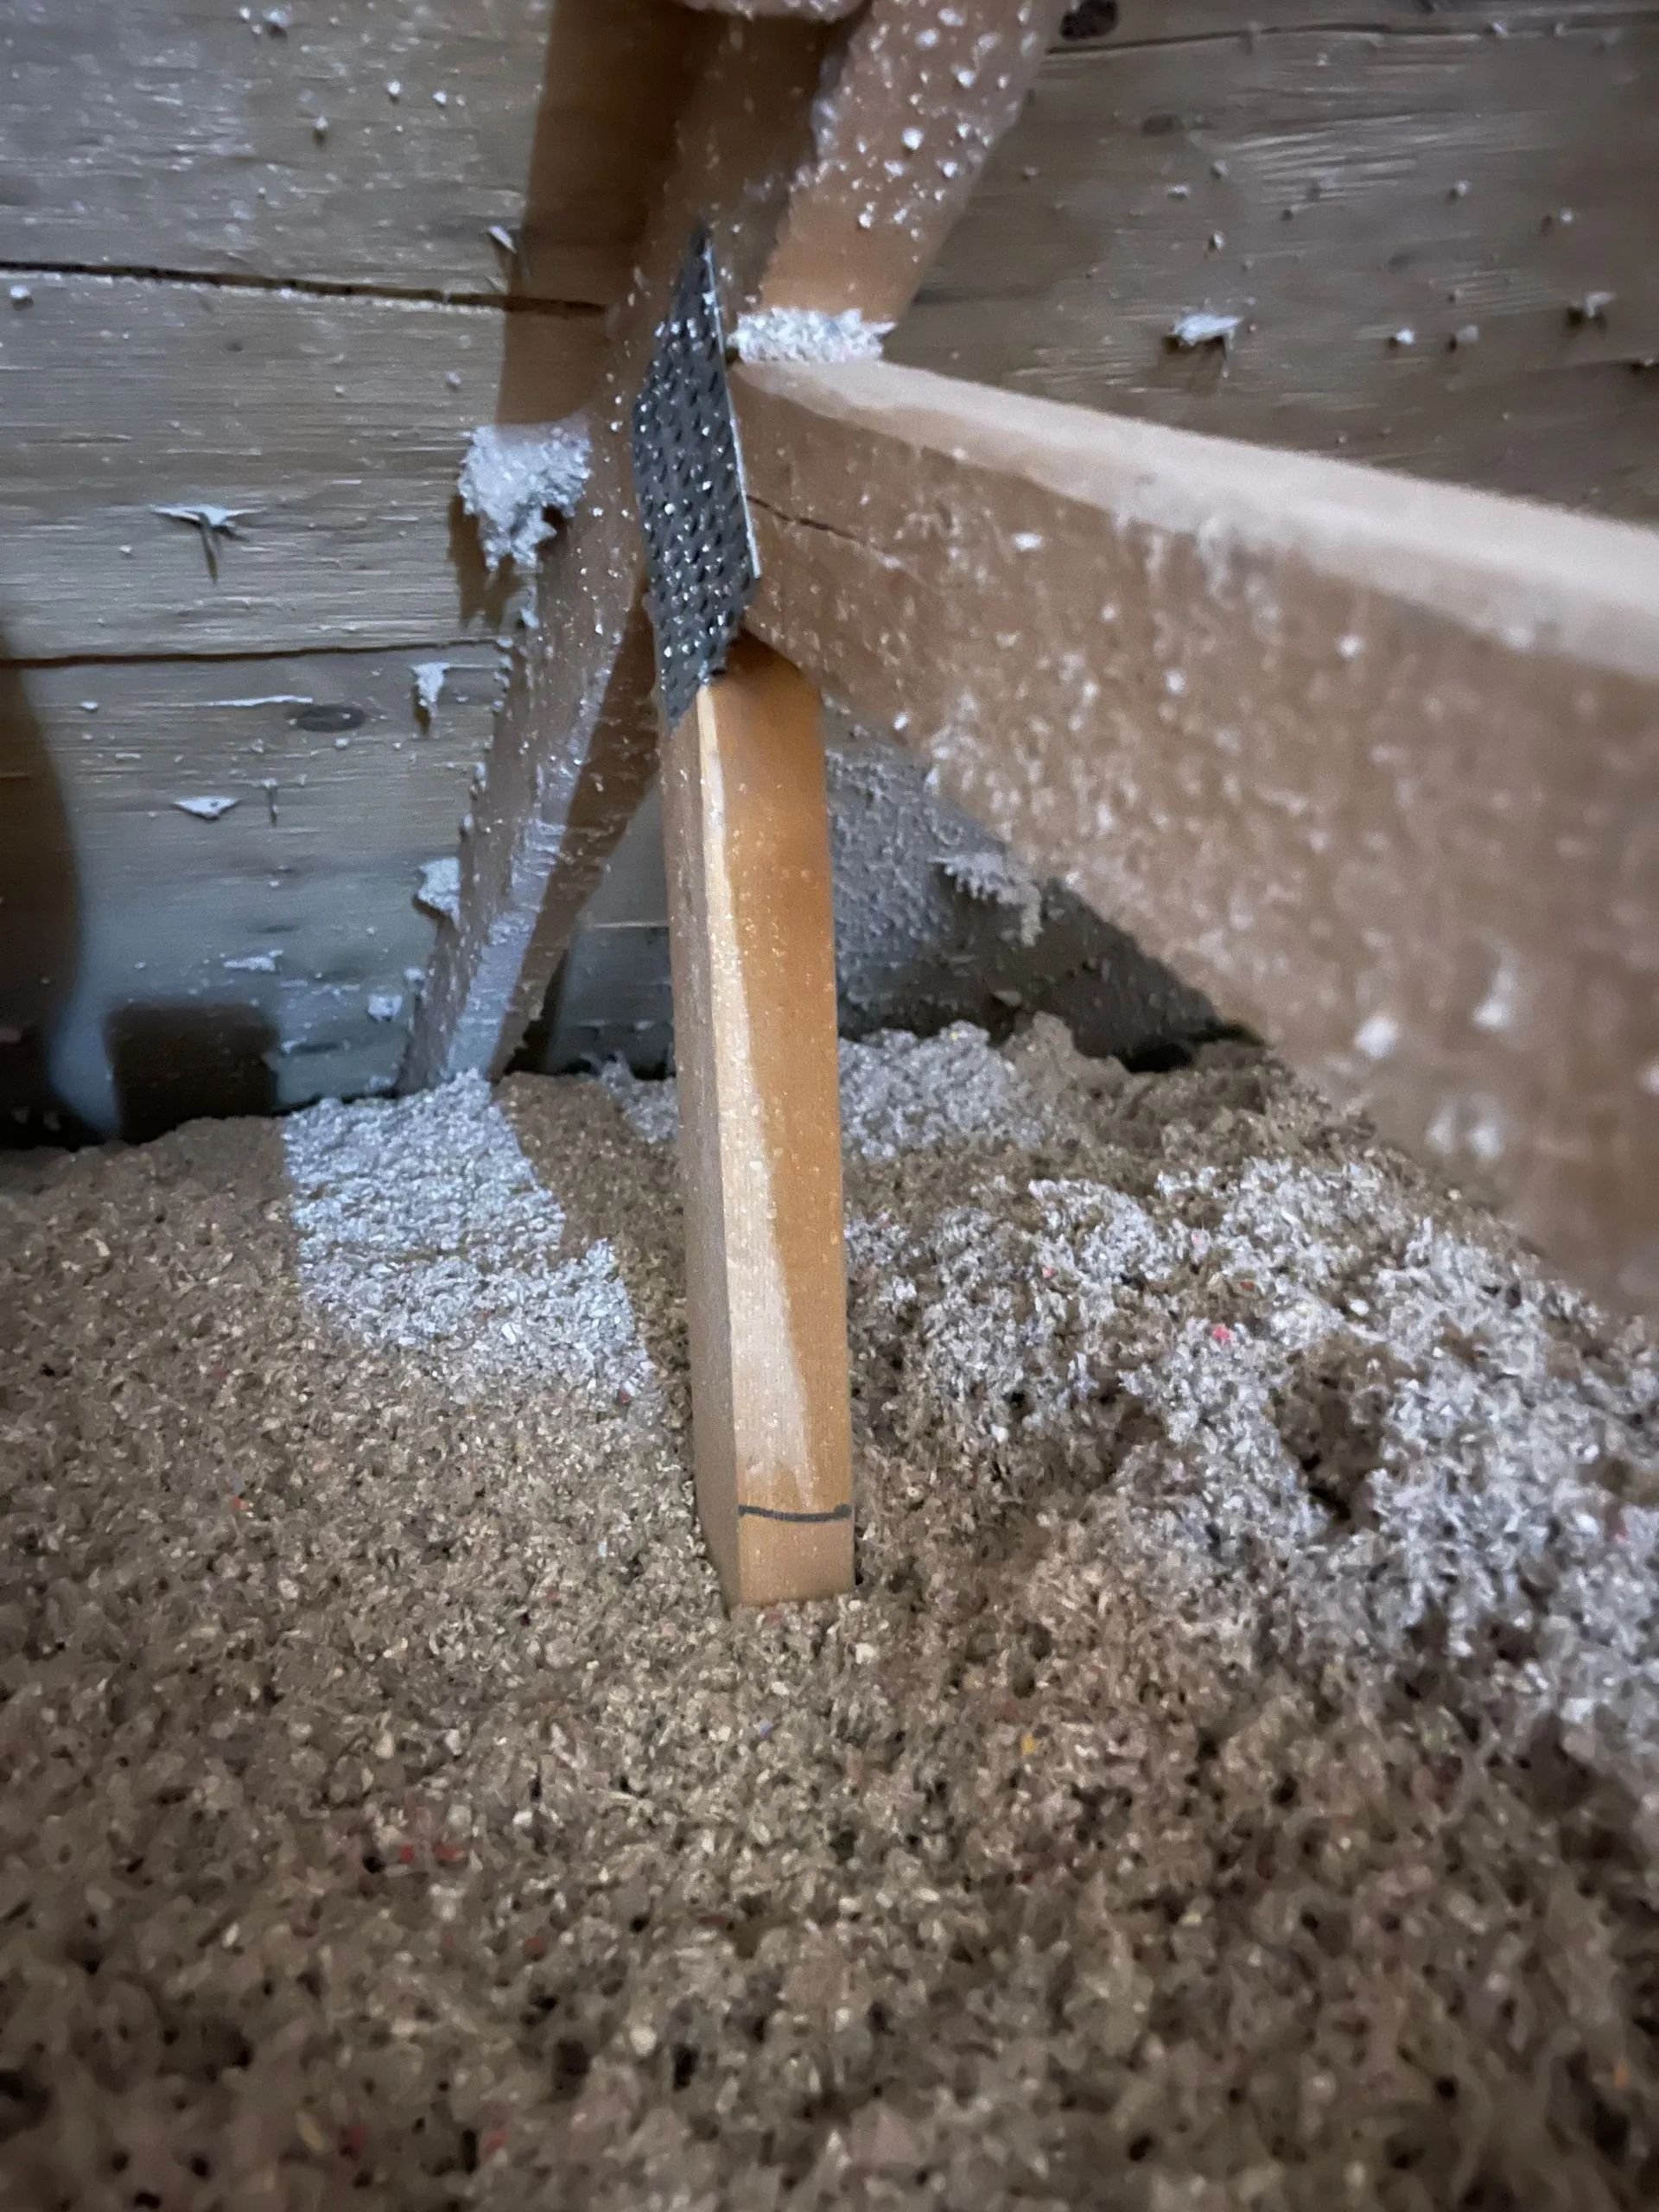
745	837
752	936
1374	761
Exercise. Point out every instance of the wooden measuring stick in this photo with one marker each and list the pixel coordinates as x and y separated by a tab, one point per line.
751	923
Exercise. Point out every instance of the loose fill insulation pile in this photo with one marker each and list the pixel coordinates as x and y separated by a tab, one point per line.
1235	1781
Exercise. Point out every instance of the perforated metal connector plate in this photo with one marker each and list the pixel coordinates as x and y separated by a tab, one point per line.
688	479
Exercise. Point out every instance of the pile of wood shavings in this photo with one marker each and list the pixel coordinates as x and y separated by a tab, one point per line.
1233	1781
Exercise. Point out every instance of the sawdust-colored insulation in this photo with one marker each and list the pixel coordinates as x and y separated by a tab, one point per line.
1233	1781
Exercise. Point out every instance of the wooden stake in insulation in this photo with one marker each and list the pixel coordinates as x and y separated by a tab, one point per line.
752	938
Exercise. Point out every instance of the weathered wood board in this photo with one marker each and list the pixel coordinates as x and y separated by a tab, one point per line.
1343	175
334	426
332	176
270	949
377	143
1375	762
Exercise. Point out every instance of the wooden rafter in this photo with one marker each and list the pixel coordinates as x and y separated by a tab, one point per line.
1374	761
830	161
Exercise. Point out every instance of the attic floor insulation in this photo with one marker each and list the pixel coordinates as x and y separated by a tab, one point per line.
1234	1782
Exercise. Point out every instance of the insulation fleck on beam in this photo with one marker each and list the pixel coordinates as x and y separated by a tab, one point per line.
1374	762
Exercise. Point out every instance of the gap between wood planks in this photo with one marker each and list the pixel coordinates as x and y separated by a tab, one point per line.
1426	28
1454	23
302	287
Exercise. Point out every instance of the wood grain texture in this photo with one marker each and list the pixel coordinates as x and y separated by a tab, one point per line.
1385	169
188	136
1374	762
127	925
752	936
793	147
530	863
333	423
579	726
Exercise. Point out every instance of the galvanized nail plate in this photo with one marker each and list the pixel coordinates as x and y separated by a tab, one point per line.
687	475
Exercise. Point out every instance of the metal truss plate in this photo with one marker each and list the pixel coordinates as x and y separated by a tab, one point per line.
688	477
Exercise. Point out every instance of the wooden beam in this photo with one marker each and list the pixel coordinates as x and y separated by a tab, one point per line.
752	929
1375	762
829	163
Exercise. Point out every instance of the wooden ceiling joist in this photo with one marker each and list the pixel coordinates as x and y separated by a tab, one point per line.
830	161
1374	761
745	838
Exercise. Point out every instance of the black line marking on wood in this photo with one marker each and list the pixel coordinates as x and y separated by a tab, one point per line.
772	1513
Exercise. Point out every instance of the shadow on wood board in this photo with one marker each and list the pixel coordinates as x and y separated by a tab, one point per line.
176	1061
481	595
39	922
172	1062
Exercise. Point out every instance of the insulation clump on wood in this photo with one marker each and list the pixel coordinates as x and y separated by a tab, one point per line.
439	891
516	477
427	676
996	877
1202	327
